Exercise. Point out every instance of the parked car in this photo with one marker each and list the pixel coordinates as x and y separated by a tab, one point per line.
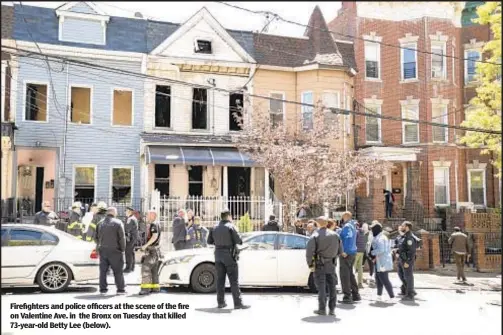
267	259
45	256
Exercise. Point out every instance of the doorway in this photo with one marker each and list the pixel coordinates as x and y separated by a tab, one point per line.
39	189
238	179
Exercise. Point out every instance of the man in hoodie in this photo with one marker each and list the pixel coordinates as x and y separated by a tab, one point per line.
272	225
180	230
347	260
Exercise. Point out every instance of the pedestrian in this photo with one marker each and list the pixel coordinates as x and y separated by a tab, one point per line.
197	234
179	230
347	260
190	217
331	224
272	224
131	230
361	244
299	229
310	228
75	226
322	250
366	256
226	238
46	217
381	250
407	257
111	245
150	261
461	249
389	200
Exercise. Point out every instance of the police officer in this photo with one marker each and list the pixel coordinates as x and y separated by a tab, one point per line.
407	257
322	251
46	217
111	244
225	238
75	227
150	261
131	230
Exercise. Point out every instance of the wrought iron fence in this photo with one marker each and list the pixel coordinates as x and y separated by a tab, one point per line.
493	243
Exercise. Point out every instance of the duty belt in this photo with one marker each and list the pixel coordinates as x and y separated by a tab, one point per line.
224	247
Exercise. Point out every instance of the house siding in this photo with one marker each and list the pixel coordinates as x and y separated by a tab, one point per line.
82	8
72	29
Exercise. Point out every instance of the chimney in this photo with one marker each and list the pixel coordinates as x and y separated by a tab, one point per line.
348	5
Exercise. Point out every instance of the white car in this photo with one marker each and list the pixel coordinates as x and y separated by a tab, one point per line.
267	259
45	256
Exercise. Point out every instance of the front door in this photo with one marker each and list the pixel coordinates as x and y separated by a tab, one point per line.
39	189
239	187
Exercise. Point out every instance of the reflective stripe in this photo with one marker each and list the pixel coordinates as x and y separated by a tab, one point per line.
79	237
92	225
150	286
89	238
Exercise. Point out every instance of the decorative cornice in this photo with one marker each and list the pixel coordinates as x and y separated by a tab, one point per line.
408	39
410	102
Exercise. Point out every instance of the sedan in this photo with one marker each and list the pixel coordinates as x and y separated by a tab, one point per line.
267	259
45	256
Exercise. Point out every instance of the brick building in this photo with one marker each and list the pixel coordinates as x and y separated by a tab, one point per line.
410	64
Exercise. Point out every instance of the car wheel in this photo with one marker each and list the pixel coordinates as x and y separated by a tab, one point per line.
54	277
204	278
311	284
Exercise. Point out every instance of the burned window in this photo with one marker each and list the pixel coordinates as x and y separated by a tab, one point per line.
199	108
195	180
163	106
235	111
121	185
122	108
80	111
203	47
36	102
161	181
84	184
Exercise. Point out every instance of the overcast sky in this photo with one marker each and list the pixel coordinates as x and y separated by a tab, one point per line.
230	18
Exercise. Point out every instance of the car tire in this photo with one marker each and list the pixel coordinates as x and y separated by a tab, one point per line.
311	284
204	278
54	277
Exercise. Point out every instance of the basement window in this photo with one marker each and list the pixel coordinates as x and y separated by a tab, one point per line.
235	111
161	181
122	108
196	180
80	105
199	108
163	106
36	102
121	185
202	47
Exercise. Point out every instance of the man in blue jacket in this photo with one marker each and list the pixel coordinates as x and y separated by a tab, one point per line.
347	260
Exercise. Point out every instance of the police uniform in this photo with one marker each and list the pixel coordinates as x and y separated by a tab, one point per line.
45	218
197	235
407	255
111	244
225	238
322	251
75	226
131	230
150	262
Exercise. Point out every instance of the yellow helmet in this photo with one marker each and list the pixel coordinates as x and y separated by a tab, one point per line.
102	205
76	204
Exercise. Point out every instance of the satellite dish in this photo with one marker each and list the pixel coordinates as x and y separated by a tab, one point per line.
138	15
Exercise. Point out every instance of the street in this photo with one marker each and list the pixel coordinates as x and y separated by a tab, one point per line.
450	308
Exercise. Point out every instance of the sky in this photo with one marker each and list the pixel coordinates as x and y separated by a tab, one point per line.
230	18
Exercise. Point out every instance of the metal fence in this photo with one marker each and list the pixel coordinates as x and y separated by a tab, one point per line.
493	243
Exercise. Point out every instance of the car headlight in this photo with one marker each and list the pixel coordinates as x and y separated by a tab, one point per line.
178	260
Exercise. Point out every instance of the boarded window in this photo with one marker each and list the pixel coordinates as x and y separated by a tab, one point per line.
81	105
199	108
161	181
196	180
36	100
163	106
84	184
121	185
235	111
276	109
123	108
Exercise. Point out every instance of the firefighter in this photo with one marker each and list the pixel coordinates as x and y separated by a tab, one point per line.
196	234
96	214
75	226
150	261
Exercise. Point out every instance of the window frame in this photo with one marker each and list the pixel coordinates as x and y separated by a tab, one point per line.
111	182
443	46
74	173
447	186
12	229
445	117
168	179
454	65
284	237
86	17
91	88
197	182
208	112
379	112
206	39
302	107
242	114
154	126
274	245
128	89
484	184
368	43
283	97
25	86
405	123
467	51
408	45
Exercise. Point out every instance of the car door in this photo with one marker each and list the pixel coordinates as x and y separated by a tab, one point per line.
292	266
22	252
258	262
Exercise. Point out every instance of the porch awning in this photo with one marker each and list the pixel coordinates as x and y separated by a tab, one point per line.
392	154
196	156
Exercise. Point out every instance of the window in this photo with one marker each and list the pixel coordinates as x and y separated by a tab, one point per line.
24	237
331	100
203	47
195	180
409	61
276	109
372	60
122	184
262	242
162	106
471	57
441	183
307	111
454	65
438	61
439	115
292	242
410	130
122	108
199	108
373	124
80	105
84	184
347	118
71	30
48	239
477	187
36	102
235	111
161	179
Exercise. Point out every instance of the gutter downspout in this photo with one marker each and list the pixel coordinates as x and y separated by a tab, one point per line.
62	178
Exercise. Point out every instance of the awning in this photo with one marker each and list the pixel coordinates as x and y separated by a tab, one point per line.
392	154
196	156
